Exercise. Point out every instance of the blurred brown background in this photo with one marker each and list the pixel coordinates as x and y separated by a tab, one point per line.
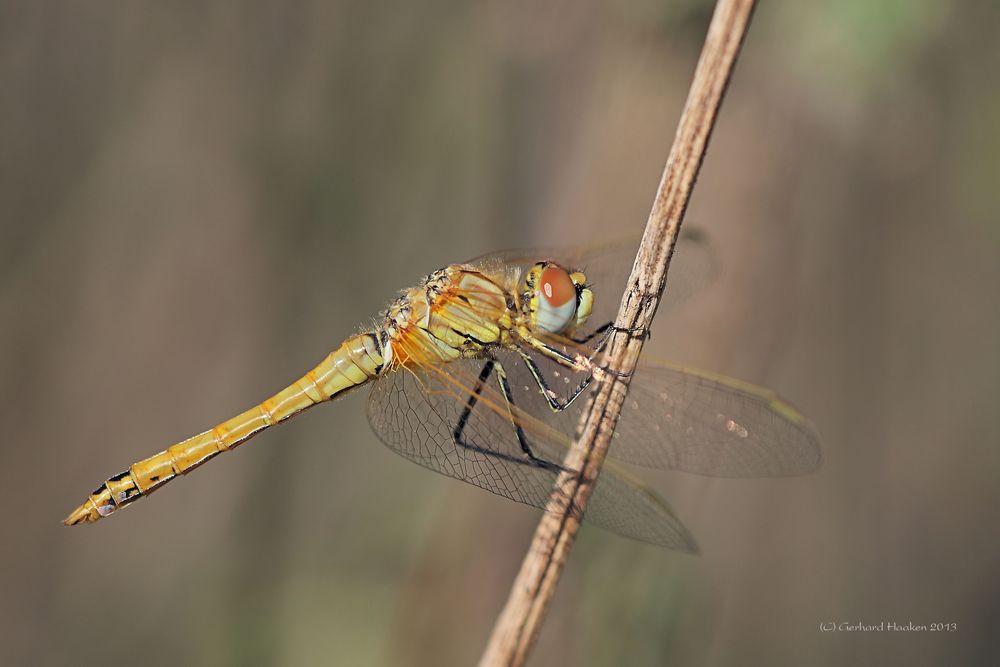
199	200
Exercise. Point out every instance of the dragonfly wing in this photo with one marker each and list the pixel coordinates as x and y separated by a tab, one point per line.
683	419
702	423
625	506
416	413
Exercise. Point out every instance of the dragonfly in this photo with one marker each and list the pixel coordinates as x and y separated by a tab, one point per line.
483	371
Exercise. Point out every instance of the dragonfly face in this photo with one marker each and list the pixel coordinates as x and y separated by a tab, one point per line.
556	300
475	374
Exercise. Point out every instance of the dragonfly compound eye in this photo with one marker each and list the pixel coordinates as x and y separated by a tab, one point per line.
557	299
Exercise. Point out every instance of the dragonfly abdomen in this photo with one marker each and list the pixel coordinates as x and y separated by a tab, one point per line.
358	360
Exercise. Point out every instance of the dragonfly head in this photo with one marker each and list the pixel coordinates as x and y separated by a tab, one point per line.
556	300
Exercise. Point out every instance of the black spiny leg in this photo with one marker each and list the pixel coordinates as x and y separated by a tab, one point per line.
463	419
459	433
521	439
550	396
603	329
606	330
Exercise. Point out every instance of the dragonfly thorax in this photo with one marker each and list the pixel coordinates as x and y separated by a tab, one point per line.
455	313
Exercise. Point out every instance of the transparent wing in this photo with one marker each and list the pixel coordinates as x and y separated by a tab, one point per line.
607	267
697	422
682	419
416	415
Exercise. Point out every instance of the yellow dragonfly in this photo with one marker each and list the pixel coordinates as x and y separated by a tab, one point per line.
476	373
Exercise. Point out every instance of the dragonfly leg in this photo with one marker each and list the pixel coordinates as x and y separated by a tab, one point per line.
578	363
521	438
606	330
550	396
459	433
463	419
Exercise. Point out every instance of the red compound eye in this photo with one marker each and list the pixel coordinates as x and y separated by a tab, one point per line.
556	286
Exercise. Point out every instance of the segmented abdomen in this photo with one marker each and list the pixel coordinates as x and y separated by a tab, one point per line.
358	360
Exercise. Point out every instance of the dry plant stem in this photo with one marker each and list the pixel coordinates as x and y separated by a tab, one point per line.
520	621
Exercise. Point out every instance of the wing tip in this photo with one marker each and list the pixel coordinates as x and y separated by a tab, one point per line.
689	545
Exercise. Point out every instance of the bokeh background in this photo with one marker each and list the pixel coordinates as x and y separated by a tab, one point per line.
199	200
